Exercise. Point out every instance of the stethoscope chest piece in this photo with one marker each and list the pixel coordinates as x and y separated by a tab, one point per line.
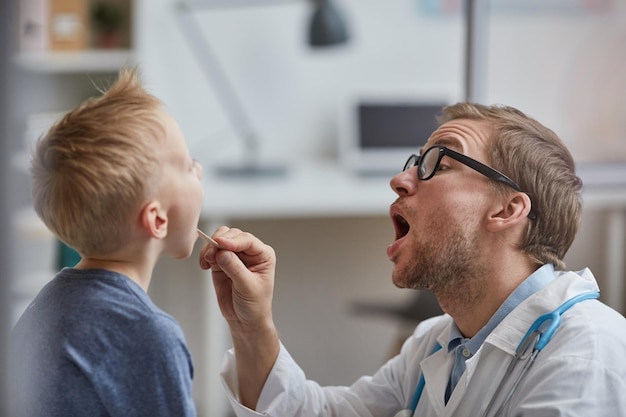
404	413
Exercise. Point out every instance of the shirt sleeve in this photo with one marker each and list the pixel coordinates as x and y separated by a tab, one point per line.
286	377
287	392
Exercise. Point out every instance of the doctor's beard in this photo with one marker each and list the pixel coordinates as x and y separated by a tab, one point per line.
446	265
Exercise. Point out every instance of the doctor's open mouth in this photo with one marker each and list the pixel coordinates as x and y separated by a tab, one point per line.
400	225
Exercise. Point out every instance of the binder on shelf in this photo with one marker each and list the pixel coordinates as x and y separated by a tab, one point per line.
58	27
32	33
68	25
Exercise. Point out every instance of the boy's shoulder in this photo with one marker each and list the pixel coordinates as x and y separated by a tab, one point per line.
77	298
98	311
95	330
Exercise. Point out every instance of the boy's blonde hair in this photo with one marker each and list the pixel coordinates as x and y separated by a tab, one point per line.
93	169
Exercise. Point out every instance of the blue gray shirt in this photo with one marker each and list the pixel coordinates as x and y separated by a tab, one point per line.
92	343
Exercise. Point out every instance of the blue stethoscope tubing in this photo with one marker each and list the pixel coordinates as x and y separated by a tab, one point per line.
537	336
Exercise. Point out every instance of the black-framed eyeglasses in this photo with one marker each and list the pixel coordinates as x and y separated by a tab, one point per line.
428	163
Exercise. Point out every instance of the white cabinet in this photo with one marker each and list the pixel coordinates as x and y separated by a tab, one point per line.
35	249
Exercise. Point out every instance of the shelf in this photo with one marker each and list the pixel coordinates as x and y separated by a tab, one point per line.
74	62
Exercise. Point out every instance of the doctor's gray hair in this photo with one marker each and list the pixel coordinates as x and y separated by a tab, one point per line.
537	159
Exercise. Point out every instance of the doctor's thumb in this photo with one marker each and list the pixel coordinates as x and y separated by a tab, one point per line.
230	263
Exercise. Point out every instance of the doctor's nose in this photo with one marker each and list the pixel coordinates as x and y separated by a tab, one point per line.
404	182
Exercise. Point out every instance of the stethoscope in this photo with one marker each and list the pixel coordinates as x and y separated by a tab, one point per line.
535	339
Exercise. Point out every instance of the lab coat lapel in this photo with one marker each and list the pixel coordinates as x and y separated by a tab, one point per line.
436	369
476	386
479	382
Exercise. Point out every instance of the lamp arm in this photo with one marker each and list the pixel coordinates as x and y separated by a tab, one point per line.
216	76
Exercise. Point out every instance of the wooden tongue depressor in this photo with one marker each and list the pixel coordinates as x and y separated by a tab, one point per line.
208	239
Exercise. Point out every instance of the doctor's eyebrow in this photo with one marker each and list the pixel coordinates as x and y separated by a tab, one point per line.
448	142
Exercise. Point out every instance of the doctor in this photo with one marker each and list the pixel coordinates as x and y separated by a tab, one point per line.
483	218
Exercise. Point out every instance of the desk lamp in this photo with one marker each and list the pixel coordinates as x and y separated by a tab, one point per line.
326	28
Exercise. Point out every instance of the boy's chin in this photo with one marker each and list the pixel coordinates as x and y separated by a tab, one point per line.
181	253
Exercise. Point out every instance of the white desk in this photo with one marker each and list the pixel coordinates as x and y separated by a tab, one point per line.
326	190
311	190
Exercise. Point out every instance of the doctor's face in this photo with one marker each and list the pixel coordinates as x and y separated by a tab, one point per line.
438	221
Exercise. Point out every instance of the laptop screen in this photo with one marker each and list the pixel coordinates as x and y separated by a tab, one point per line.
379	128
384	126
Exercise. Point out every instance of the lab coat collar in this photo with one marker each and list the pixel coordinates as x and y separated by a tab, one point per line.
504	338
511	330
436	369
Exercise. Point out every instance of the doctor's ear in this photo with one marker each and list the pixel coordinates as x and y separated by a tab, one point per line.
512	210
153	219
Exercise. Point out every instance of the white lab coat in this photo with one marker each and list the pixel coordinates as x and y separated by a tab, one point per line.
580	373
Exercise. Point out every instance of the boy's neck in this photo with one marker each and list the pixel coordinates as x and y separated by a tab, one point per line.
140	273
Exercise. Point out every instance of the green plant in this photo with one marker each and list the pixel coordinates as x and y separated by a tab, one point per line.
107	16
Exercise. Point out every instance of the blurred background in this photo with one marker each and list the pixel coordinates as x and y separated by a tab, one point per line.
296	110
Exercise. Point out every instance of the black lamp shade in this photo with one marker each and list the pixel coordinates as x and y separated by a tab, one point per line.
327	26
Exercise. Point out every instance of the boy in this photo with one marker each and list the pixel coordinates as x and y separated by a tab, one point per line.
112	179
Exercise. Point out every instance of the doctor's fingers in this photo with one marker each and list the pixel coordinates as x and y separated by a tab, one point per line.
249	248
208	251
255	255
241	267
207	256
237	240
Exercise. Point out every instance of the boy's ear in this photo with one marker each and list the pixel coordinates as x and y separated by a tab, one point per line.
154	219
510	212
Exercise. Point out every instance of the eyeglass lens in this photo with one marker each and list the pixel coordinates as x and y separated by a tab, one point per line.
428	163
411	162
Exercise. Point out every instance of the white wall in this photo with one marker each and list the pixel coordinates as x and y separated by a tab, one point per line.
291	92
565	67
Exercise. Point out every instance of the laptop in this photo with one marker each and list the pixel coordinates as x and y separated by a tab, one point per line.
378	132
